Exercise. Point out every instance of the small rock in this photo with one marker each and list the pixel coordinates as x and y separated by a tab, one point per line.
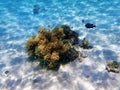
112	66
83	55
6	72
85	44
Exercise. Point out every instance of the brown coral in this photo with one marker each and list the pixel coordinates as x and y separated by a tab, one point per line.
50	45
31	45
55	56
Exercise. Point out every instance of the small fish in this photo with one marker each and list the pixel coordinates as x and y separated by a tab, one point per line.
89	25
36	9
83	20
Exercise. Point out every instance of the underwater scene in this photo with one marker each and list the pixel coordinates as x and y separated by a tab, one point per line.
60	45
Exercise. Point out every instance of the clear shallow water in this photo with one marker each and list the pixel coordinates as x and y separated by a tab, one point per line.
17	23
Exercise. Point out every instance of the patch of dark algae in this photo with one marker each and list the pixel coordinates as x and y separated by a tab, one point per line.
51	48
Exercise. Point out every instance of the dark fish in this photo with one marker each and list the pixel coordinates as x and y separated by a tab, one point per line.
83	20
89	25
36	9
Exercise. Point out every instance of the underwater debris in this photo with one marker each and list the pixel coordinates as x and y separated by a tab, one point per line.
112	66
89	25
53	48
85	44
36	9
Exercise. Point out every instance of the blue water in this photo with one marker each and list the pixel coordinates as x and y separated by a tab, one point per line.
18	23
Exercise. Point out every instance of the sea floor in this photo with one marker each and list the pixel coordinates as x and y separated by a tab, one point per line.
18	22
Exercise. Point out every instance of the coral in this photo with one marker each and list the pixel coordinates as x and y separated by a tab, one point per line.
70	35
55	56
85	44
52	48
31	45
69	56
112	66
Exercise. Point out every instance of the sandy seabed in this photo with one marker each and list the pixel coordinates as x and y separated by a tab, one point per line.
18	23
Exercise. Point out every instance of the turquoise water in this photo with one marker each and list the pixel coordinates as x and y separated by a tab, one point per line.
18	23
